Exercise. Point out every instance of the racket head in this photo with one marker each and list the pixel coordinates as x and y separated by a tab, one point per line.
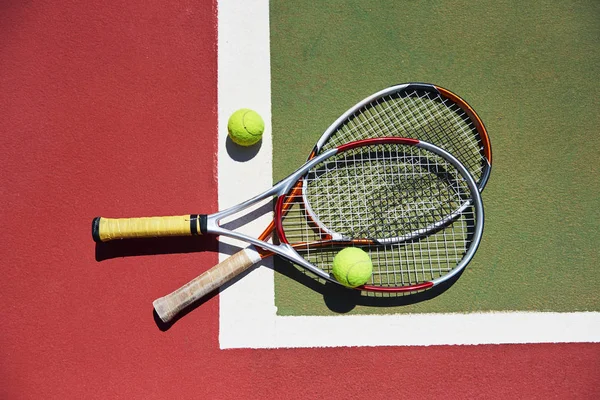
420	111
411	205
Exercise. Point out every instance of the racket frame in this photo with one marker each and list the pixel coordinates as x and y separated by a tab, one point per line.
478	231
406	87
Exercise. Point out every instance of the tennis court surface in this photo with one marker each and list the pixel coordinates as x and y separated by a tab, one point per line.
119	110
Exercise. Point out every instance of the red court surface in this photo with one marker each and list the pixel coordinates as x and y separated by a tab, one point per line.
110	108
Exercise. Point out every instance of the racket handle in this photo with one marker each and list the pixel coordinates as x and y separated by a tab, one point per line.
169	306
105	229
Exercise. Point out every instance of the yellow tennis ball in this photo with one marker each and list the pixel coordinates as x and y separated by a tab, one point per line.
352	267
245	127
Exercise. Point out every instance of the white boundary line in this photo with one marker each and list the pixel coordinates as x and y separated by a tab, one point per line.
247	311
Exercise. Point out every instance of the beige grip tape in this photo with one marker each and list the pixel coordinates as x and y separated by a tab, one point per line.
147	227
169	306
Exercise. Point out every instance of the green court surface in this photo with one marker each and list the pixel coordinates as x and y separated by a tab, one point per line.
532	72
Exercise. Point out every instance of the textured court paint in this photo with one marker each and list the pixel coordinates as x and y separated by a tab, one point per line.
531	74
108	108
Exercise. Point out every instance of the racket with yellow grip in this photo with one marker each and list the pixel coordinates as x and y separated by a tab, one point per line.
411	205
106	229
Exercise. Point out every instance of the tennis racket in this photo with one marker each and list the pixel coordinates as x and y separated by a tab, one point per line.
413	206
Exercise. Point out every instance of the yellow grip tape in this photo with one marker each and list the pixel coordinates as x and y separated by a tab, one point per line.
147	227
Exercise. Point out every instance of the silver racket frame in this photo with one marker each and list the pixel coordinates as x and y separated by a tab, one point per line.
420	232
285	186
477	203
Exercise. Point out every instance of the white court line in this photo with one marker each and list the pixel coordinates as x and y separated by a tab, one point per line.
247	309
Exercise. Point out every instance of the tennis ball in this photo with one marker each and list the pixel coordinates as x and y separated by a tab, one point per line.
245	127
352	267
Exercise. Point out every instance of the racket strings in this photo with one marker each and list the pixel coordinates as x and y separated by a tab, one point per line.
403	264
392	201
383	194
417	114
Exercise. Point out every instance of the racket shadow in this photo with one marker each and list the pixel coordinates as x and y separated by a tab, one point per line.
154	246
342	300
174	245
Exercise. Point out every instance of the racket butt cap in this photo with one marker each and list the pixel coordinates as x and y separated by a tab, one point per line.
162	309
96	230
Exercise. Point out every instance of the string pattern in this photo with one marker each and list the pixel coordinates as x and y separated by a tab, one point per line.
406	206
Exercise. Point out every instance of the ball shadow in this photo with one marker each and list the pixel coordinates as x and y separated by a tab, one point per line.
241	153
